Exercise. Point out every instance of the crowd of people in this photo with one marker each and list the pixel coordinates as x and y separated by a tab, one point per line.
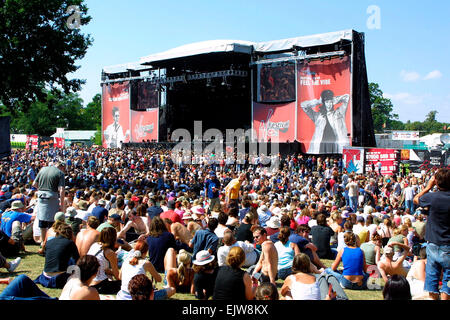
114	223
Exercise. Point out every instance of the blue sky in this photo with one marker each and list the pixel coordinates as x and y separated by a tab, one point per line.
408	55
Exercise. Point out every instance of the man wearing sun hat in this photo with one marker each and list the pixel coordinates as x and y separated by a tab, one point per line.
12	220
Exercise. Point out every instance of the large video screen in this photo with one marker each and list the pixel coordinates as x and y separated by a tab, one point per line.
144	95
276	82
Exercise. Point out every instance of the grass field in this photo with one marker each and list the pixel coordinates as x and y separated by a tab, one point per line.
32	265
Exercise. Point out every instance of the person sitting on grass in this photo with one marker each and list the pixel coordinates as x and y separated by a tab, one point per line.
104	250
389	266
354	275
303	284
10	266
397	288
78	285
233	283
86	237
140	287
267	291
60	252
205	268
179	273
416	275
136	263
51	233
23	288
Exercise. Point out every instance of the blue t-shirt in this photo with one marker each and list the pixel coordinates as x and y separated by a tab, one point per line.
212	183
203	240
353	261
9	217
299	240
157	248
100	213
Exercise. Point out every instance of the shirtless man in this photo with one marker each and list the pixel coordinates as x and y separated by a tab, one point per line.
389	267
268	261
86	237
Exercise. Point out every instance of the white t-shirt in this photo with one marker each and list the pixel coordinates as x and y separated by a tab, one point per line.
352	189
409	193
250	254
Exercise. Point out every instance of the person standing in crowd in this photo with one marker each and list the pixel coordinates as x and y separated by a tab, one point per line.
50	183
212	190
232	190
436	207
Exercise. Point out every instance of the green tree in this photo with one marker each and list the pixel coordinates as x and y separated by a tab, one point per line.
382	110
38	48
58	110
92	114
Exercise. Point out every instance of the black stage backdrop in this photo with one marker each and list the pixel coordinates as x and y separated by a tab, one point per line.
5	143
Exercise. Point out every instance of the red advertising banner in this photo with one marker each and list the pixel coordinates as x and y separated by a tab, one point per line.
324	105
59	142
387	157
274	122
32	142
144	125
115	114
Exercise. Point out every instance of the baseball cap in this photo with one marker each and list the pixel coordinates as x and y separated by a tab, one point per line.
116	217
101	202
388	250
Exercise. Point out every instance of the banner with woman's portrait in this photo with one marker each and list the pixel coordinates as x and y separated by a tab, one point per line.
324	111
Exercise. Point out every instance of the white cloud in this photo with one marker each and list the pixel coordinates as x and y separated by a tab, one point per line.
436	74
409	76
404	97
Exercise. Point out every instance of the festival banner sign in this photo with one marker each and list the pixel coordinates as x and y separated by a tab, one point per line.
32	142
59	142
144	125
324	112
115	114
353	159
405	135
274	122
389	159
45	143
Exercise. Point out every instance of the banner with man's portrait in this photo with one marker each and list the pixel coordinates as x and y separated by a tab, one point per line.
115	114
324	111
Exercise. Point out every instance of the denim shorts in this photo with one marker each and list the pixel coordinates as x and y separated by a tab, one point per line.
160	294
347	284
284	273
438	259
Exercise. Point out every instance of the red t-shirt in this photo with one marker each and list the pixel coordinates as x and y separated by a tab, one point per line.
172	215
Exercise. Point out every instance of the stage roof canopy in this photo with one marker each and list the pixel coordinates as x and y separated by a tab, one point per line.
198	48
237	46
